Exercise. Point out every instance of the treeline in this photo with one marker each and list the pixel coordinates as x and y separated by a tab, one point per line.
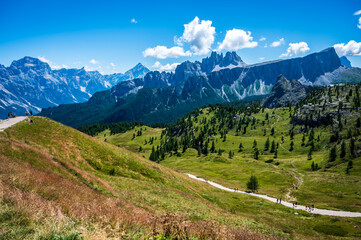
194	131
119	127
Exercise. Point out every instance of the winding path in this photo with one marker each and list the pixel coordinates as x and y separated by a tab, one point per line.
287	204
4	124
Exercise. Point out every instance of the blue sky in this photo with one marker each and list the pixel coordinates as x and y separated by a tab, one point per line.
101	34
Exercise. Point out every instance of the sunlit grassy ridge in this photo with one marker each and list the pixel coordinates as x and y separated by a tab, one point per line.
56	181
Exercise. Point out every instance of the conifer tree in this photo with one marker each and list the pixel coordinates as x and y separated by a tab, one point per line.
352	148
240	147
266	145
252	184
213	148
273	147
332	155
272	131
343	150
256	153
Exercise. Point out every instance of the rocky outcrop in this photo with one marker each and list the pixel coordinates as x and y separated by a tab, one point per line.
345	61
285	92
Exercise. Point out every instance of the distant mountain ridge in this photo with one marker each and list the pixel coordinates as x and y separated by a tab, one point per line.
30	84
163	97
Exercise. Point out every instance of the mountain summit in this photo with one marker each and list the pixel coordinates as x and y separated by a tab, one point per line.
163	97
30	84
217	62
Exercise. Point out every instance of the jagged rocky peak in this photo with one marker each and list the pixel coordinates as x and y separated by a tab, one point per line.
345	61
219	61
27	63
285	92
138	71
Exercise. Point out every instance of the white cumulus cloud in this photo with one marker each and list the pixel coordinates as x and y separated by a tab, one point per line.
134	21
359	23
162	52
167	68
357	13
278	43
352	48
112	64
261	58
295	49
93	61
51	64
237	39
199	35
262	39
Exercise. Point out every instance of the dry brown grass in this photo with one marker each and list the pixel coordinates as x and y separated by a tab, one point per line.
56	201
52	198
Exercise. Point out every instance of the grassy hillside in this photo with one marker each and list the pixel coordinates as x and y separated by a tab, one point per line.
57	182
334	184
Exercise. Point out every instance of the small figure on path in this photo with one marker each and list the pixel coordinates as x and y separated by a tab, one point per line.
280	200
27	113
277	200
31	113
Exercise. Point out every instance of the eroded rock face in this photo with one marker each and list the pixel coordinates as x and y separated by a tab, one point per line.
285	92
172	94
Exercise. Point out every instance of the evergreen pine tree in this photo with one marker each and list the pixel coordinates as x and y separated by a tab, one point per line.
332	155
213	148
343	150
240	148
309	156
255	153
352	147
272	131
273	147
266	145
291	146
252	184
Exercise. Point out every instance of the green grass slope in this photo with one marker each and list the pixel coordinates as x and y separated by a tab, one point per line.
58	183
289	174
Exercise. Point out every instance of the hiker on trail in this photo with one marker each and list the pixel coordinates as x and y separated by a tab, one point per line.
313	206
277	200
31	113
280	200
27	113
296	204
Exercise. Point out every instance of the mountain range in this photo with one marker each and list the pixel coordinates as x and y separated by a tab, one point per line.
164	97
30	84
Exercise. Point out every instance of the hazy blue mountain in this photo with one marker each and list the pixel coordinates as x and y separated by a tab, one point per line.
345	61
163	97
30	84
136	72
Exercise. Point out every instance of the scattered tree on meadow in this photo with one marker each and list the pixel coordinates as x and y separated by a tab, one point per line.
252	184
332	155
240	147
